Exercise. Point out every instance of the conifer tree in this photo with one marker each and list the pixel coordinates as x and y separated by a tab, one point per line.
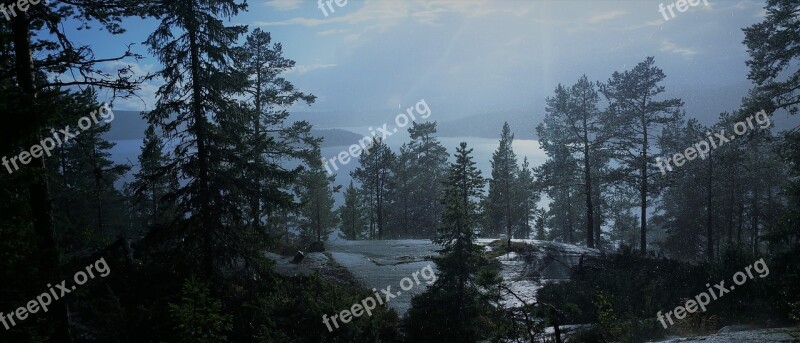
196	49
351	214
428	173
373	174
401	211
265	137
559	178
773	66
500	203
573	113
150	185
526	197
450	309
635	114
315	189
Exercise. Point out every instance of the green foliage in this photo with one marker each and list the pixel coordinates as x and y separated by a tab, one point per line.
149	187
291	311
374	175
501	207
558	177
575	125
316	216
351	214
623	293
772	65
199	316
451	309
427	160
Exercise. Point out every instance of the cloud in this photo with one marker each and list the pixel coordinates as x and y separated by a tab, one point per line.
384	14
746	4
377	11
302	69
670	47
652	23
284	5
606	16
363	21
352	39
328	32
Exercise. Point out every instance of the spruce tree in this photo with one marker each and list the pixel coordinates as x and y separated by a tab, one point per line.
89	205
196	49
315	189
265	137
351	214
526	197
500	202
150	185
450	309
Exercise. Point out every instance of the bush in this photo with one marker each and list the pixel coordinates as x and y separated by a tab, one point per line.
621	294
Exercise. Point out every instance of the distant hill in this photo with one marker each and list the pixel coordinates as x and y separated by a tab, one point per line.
483	125
129	125
336	137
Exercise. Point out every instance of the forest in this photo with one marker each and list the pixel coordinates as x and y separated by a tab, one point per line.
191	241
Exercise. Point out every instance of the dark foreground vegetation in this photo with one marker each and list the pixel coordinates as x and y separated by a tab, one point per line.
621	294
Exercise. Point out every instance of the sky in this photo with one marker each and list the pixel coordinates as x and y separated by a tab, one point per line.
469	57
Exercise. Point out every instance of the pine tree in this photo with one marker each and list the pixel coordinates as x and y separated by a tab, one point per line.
373	174
541	234
401	195
573	113
92	209
635	113
38	45
772	63
682	211
559	178
428	173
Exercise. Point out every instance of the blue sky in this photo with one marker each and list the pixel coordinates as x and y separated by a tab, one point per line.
468	57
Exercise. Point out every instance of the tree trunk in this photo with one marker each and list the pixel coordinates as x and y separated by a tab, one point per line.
587	175
709	229
255	202
569	217
741	224
755	219
202	154
41	207
643	194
